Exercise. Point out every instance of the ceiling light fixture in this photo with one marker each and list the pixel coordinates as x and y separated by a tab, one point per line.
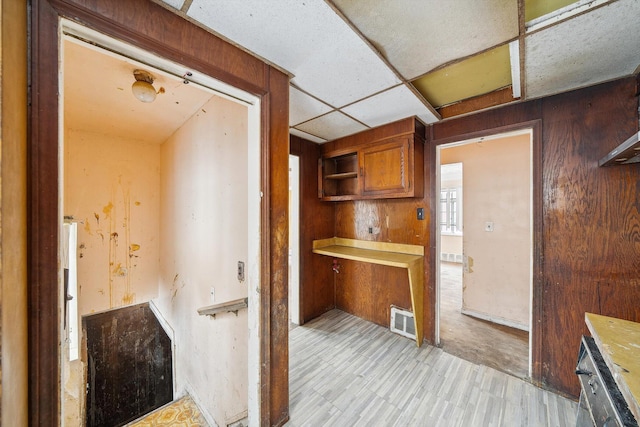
143	88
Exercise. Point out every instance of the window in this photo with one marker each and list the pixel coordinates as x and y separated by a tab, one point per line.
450	210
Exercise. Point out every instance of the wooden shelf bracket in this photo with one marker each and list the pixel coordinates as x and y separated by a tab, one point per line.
225	307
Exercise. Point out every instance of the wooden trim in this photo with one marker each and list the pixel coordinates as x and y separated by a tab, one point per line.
176	39
42	218
474	105
537	303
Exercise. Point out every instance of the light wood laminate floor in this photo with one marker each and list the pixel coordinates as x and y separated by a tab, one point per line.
345	371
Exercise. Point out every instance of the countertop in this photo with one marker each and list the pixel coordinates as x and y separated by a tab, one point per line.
619	343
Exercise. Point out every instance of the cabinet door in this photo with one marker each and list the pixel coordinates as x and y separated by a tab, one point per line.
387	168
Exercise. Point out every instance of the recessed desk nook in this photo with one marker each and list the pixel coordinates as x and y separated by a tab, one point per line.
399	255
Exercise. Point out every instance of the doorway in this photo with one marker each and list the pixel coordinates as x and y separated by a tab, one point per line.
157	191
485	247
294	240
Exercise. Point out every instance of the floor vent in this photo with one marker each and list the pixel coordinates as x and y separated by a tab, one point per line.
402	322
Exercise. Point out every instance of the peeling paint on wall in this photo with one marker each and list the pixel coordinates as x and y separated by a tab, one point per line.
114	184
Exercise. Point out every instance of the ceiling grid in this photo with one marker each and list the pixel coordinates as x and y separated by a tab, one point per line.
356	65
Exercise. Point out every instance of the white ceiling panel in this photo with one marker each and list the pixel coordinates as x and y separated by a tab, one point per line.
110	108
303	107
174	3
307	136
590	48
307	38
389	106
331	126
417	36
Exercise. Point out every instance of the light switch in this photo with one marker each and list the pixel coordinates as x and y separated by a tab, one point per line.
488	226
240	271
420	214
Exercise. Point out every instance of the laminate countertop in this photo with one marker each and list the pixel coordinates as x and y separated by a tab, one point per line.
619	343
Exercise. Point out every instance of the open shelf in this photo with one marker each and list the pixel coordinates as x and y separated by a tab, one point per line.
399	255
345	175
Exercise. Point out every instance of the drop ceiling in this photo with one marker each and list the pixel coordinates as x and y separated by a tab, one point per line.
361	64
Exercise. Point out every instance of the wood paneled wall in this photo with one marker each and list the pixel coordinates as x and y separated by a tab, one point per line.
589	220
155	29
317	221
365	290
586	222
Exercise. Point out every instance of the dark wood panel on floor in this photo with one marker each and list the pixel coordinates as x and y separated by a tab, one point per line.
317	221
153	28
129	365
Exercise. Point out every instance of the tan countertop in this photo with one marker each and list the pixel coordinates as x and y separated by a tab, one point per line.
619	343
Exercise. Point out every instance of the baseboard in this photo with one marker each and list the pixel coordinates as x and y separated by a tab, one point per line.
495	319
207	416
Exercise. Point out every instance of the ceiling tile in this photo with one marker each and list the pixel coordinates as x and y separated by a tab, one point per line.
331	126
417	36
307	39
594	47
478	75
307	136
303	107
389	106
536	8
174	3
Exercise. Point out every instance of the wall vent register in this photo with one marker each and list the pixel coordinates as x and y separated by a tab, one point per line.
402	322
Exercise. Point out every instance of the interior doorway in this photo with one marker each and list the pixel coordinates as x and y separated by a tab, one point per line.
294	240
485	247
156	189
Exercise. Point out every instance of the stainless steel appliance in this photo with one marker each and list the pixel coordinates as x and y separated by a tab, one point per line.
601	403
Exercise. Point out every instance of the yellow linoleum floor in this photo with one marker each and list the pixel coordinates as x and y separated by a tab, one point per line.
181	413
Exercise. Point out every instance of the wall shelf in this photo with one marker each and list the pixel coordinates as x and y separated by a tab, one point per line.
225	307
399	255
345	175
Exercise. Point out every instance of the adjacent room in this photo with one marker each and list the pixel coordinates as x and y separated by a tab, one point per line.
145	173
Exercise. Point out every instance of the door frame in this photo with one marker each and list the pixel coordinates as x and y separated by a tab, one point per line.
535	331
128	22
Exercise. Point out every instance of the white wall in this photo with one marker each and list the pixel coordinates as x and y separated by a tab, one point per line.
496	182
113	186
204	214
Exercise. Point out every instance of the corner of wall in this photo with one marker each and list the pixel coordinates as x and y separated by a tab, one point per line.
13	212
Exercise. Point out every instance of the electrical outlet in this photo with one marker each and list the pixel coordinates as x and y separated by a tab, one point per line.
240	271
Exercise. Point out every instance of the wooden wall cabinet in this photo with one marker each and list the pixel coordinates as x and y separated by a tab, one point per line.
388	168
